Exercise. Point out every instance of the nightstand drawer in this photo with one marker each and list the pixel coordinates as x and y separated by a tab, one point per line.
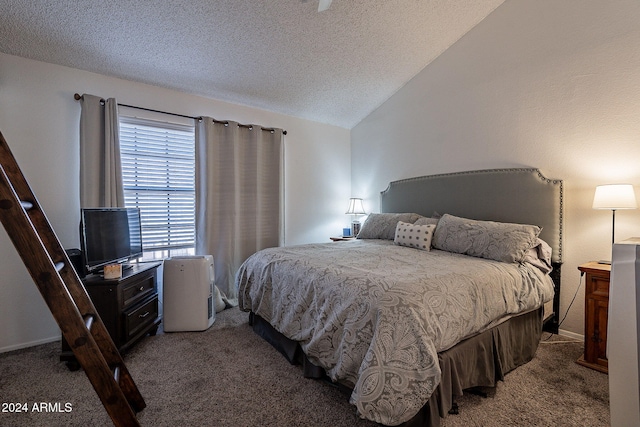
138	291
141	317
598	285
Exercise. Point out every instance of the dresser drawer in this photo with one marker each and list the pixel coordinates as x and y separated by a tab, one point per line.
138	290
128	306
141	317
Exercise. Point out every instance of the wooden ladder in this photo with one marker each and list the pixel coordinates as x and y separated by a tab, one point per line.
64	293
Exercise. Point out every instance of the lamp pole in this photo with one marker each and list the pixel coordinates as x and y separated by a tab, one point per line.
613	227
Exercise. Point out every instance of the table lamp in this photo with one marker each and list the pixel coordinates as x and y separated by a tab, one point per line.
355	208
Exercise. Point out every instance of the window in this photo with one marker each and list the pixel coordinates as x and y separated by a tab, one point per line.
158	172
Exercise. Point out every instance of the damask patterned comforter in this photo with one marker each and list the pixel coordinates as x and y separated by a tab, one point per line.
374	315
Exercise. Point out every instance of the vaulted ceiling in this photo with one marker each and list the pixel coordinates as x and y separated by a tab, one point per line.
333	67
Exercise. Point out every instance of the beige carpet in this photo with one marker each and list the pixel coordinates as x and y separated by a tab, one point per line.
228	376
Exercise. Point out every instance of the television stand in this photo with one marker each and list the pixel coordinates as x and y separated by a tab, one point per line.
128	306
128	266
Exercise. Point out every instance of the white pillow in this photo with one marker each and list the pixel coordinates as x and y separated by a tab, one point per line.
414	236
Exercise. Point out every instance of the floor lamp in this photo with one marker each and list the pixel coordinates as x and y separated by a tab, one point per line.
614	197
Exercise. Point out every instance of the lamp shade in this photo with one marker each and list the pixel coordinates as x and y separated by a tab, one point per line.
615	196
355	207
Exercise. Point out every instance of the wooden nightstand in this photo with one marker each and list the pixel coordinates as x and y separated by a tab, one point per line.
596	309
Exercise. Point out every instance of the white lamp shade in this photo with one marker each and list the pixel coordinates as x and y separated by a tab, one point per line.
615	196
355	207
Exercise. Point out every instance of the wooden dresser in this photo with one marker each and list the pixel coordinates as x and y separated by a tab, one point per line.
127	306
596	309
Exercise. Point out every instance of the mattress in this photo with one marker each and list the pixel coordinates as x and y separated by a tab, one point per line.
375	315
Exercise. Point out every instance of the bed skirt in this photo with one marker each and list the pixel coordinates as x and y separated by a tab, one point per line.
479	361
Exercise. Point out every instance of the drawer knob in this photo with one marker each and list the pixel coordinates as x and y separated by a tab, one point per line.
142	316
141	288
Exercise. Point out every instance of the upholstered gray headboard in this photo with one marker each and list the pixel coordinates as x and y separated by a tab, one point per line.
518	195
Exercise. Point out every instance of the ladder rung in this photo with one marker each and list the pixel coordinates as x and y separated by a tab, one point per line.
88	321
116	374
65	295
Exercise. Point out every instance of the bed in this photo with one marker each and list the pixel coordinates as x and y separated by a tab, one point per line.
443	291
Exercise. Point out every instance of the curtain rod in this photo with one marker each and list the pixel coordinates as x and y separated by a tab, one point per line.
78	97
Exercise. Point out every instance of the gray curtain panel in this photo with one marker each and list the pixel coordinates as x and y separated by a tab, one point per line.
100	165
239	194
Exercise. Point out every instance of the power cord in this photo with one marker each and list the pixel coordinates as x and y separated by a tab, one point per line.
570	304
573	299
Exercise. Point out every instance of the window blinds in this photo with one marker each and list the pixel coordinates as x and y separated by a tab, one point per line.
158	172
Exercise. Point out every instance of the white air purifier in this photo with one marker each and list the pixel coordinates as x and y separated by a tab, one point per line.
187	301
623	334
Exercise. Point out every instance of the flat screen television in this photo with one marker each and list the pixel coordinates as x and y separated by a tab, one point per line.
109	236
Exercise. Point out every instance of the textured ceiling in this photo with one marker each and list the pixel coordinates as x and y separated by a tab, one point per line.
284	56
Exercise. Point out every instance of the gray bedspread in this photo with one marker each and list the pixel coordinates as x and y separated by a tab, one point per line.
374	315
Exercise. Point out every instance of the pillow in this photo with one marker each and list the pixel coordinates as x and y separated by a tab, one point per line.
540	256
414	236
383	225
499	241
423	220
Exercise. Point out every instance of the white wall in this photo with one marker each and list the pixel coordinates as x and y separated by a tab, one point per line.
547	84
39	119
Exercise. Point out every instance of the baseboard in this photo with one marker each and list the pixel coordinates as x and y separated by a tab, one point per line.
569	334
29	344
